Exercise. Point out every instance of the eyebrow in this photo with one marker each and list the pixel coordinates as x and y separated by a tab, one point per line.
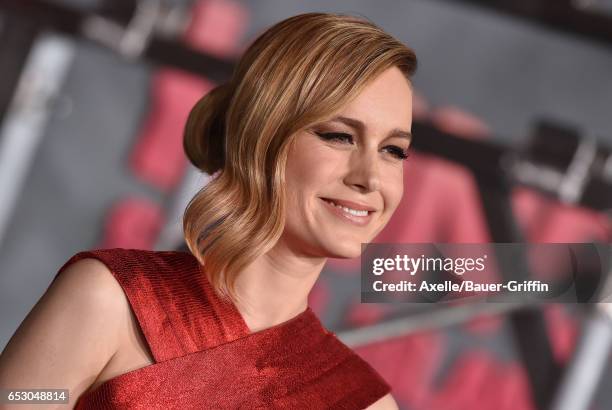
357	124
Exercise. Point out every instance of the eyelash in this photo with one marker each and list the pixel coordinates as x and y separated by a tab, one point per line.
396	151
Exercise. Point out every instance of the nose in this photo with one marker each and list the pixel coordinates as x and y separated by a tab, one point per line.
363	172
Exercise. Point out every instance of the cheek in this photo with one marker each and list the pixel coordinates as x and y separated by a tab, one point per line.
298	176
304	185
394	192
310	169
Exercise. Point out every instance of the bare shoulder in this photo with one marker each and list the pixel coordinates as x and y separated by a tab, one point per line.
384	403
86	279
70	334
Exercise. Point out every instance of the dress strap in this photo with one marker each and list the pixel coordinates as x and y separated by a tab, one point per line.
175	305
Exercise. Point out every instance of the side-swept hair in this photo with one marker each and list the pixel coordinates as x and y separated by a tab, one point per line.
298	72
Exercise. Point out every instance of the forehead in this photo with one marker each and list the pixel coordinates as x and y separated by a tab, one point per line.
384	103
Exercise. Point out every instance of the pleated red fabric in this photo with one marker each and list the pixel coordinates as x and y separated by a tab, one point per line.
205	355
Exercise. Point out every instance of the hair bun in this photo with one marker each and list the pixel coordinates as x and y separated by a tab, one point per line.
204	136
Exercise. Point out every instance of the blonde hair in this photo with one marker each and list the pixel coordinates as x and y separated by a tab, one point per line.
298	72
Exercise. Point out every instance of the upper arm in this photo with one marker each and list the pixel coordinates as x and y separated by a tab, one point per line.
69	335
384	403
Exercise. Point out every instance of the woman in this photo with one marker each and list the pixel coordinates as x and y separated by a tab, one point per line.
306	146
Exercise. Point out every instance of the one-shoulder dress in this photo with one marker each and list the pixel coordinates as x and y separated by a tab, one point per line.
205	355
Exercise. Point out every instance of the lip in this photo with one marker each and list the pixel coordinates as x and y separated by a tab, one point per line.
353	205
354	219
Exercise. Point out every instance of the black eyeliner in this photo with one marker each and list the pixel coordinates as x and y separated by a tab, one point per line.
330	136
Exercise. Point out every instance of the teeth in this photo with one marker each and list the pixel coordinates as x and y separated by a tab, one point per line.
349	210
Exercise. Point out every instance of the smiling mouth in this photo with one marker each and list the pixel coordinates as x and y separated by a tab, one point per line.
355	216
355	212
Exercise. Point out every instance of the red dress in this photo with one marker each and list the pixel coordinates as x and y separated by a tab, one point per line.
207	357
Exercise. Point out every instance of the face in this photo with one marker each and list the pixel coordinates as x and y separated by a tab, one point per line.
344	176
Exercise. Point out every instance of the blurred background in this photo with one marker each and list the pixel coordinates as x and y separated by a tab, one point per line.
512	143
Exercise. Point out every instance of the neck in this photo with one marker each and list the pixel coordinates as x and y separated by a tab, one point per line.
274	287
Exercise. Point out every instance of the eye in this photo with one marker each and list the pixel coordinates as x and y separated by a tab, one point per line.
397	152
342	137
335	136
